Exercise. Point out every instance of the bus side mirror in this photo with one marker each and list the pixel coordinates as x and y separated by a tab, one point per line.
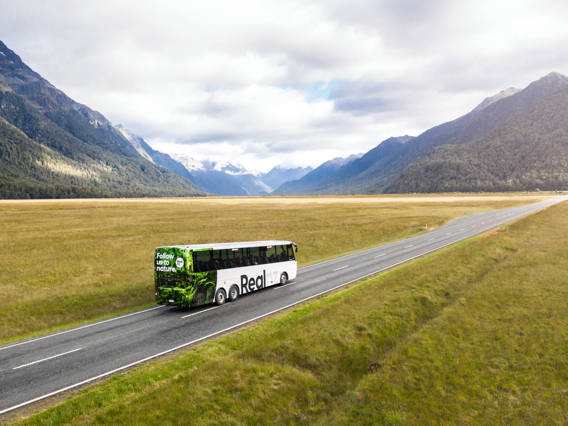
295	248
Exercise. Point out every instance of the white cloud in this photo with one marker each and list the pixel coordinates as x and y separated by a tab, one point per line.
284	81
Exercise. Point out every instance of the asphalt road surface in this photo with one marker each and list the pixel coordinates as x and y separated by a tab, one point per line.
35	369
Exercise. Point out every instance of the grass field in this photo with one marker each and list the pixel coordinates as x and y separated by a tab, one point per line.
68	261
474	334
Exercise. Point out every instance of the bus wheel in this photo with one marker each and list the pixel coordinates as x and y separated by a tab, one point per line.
283	278
233	293
220	297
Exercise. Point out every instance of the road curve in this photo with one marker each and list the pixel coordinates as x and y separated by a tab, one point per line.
35	369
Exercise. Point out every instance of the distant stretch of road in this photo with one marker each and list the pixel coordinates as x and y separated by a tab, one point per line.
38	368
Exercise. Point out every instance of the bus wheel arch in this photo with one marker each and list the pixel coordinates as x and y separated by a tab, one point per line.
233	293
283	278
220	297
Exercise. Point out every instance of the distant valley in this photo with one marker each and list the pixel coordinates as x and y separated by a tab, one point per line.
54	147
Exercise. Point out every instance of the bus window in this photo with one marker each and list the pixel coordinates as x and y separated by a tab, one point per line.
217	261
247	258
271	254
202	260
290	250
225	258
235	258
282	255
255	255
262	255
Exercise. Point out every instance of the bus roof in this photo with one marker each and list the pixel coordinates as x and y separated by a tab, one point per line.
235	245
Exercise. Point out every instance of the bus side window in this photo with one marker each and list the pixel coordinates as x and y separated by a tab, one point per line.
262	255
255	255
272	255
247	257
237	258
290	252
216	259
202	260
226	259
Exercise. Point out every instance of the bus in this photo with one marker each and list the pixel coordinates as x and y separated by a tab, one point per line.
198	274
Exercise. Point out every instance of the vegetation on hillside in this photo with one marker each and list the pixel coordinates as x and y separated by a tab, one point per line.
53	147
529	152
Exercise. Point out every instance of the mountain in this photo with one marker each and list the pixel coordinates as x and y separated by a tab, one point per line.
354	176
348	175
222	178
312	182
492	99
278	175
515	140
526	149
156	157
52	146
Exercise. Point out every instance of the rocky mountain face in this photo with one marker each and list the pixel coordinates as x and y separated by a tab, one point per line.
52	146
156	157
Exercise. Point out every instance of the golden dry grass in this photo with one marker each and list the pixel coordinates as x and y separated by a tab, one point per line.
65	261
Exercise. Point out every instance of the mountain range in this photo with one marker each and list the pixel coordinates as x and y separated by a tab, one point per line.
223	178
214	177
516	140
53	147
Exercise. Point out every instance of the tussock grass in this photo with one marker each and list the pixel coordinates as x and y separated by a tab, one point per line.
476	333
70	261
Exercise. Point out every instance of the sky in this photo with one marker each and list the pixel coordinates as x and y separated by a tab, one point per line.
262	83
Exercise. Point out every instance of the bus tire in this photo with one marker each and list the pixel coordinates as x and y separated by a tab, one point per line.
283	278
233	293
220	297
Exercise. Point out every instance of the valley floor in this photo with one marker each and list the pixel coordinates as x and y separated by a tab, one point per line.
68	262
476	333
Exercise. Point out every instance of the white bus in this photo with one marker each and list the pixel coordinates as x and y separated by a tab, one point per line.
193	275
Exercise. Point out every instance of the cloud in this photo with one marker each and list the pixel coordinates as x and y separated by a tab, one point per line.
284	81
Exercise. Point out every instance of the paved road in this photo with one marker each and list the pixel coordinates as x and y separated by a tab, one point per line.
38	368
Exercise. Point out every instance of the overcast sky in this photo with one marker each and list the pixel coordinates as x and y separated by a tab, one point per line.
266	82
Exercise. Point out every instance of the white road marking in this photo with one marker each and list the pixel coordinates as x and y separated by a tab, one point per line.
380	255
201	312
78	328
280	287
340	268
45	359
